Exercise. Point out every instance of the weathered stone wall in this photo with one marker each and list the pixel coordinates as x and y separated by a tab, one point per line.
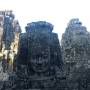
76	49
9	38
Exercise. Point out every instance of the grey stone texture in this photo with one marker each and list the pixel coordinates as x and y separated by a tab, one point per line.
40	62
9	37
75	51
9	27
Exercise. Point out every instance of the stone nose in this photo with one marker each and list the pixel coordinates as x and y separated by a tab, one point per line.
39	60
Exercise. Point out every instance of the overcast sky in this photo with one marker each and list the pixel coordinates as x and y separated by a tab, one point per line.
58	12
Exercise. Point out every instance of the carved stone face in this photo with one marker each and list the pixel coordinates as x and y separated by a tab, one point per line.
40	58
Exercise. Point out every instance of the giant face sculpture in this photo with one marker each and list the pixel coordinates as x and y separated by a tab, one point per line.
40	58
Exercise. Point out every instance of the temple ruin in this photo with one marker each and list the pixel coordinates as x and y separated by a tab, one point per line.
39	61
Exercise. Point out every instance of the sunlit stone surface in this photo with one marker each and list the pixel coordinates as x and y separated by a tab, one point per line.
9	33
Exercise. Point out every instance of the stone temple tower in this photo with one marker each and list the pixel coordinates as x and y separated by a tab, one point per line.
76	44
39	63
9	32
76	51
